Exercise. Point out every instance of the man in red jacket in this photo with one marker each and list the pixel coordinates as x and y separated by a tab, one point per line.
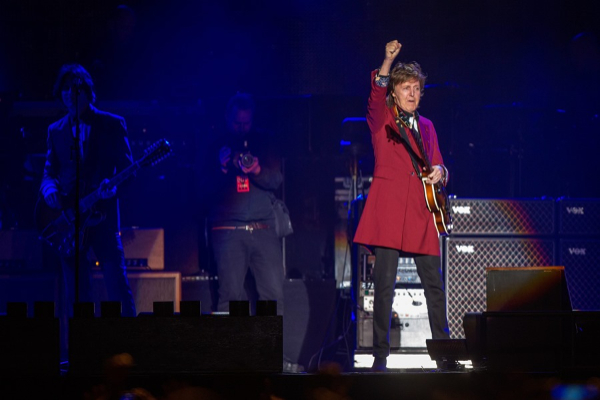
396	221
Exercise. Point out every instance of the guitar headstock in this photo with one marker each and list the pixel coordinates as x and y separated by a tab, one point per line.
157	152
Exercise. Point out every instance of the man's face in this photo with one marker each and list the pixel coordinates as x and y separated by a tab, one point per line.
70	97
407	95
240	122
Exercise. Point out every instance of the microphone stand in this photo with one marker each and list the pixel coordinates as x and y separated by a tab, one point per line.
77	147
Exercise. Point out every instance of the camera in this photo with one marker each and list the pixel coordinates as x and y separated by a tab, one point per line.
247	160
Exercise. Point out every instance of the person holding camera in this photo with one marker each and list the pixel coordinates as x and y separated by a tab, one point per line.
246	172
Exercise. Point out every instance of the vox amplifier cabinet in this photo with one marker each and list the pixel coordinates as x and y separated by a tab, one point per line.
146	287
144	248
465	260
578	216
476	217
581	259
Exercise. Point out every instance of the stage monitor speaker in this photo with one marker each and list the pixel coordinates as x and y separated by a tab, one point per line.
581	259
144	248
146	287
579	216
20	251
465	261
475	217
309	313
527	289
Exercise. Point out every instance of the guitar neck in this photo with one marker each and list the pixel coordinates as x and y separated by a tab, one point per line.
88	201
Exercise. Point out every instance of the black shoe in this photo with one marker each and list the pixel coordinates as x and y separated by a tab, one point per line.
292	367
449	366
379	364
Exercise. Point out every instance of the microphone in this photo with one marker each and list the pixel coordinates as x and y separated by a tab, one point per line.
77	85
415	302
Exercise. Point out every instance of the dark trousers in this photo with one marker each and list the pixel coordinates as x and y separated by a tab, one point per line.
236	252
429	270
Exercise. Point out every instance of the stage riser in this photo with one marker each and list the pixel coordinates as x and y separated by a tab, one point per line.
29	346
177	344
534	342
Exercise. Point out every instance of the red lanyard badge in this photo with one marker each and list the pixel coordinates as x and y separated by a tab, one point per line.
243	185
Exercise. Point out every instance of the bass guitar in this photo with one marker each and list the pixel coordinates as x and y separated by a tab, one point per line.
436	197
57	227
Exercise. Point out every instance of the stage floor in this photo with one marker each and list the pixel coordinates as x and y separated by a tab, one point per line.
401	361
329	383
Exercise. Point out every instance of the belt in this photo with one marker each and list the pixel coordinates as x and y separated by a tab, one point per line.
250	227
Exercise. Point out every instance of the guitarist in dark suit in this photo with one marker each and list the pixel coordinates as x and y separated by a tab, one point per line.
396	220
104	150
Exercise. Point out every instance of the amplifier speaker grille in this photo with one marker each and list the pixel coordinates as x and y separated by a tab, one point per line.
581	259
146	288
502	217
465	260
579	217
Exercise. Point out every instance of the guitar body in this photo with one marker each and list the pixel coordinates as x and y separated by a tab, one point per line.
435	194
437	204
57	227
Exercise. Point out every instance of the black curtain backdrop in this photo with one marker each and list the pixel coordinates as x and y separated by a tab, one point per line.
512	90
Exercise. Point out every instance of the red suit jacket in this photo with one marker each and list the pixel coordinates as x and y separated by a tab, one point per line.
395	214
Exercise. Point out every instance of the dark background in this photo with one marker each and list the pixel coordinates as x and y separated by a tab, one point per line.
512	90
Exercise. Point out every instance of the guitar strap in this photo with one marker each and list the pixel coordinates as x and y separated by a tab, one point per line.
401	123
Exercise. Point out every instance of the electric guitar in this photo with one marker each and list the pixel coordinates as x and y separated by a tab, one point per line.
57	227
436	197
